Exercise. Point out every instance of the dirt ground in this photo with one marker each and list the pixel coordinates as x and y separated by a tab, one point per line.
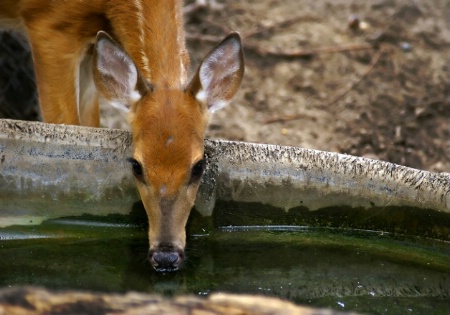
376	87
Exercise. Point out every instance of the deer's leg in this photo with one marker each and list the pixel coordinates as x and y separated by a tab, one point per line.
57	59
89	109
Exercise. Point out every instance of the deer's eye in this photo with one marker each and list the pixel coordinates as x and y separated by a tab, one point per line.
137	168
197	170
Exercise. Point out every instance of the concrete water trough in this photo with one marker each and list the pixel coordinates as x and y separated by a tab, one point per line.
43	166
295	223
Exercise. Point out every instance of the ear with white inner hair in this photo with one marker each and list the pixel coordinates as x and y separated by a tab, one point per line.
220	74
115	74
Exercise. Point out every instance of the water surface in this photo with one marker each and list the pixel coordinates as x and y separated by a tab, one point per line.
352	270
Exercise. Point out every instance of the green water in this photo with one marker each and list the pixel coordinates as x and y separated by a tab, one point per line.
350	270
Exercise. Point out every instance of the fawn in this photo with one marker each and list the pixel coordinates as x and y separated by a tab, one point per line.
132	55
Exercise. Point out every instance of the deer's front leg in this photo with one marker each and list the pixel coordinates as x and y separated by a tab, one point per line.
57	59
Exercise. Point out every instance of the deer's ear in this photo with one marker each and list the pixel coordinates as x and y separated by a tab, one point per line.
220	74
115	74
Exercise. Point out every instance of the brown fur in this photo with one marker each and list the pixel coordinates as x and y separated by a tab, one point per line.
168	116
61	33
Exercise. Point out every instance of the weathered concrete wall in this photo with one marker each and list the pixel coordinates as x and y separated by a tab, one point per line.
43	166
49	165
288	177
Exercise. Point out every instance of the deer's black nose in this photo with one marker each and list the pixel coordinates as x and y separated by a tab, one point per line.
165	258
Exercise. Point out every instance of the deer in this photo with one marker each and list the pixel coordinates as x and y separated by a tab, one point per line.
132	55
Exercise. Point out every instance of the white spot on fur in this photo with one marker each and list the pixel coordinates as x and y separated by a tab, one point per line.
163	190
135	96
169	140
201	96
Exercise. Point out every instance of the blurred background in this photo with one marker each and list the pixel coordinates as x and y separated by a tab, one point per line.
367	78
